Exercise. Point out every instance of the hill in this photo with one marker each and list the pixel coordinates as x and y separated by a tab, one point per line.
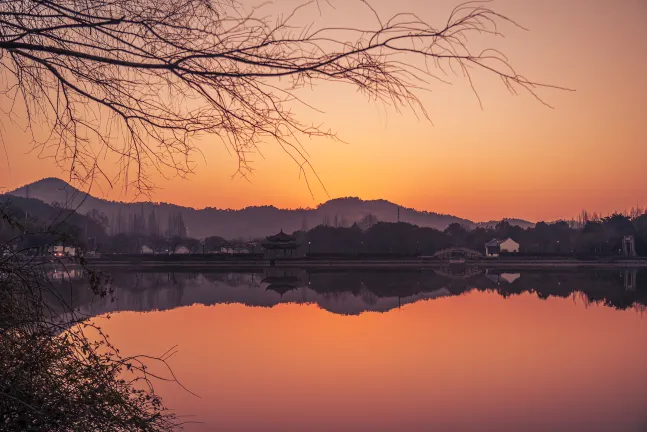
250	222
39	218
512	221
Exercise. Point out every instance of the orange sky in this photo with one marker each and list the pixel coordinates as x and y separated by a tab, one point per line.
514	158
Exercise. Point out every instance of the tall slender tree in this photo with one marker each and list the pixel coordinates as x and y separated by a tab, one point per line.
153	226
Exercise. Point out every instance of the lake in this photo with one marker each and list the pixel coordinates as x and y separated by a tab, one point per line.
291	350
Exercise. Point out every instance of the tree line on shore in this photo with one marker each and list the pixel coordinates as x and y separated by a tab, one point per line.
600	236
594	237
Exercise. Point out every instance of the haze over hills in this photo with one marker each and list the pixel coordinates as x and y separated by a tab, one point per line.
250	222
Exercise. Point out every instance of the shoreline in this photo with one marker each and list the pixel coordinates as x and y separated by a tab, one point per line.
414	263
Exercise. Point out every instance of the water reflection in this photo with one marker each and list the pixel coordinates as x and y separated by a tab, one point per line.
488	351
354	292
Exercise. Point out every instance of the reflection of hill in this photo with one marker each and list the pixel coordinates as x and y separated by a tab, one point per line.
350	292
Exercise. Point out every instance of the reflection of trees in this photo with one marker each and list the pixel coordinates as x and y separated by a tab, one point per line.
602	286
234	279
138	285
598	286
369	297
382	283
144	290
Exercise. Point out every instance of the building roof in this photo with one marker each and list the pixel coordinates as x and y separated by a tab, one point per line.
492	243
281	237
280	241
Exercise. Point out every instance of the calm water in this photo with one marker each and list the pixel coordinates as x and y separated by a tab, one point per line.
392	351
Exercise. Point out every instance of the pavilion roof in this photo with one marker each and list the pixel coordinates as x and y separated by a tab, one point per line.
281	237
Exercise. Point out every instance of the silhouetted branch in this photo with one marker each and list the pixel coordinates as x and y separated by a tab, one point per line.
140	79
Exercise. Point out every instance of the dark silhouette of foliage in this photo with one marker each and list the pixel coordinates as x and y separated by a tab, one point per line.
58	371
596	238
214	243
42	225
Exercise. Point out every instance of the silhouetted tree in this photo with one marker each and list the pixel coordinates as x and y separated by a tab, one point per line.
159	244
176	227
99	218
336	221
136	65
368	221
214	243
174	243
326	220
153	225
125	243
193	245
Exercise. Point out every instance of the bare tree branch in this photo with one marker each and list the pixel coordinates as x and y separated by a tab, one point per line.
141	79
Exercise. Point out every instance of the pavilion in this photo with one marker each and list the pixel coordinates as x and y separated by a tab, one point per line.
281	242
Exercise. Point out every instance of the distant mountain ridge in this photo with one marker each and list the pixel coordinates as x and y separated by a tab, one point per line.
250	222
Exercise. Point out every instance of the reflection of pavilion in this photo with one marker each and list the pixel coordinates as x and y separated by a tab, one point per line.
281	284
281	242
281	280
281	288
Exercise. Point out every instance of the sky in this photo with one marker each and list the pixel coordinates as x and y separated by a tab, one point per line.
512	157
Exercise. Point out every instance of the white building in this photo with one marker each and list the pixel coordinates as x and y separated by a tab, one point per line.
509	245
494	247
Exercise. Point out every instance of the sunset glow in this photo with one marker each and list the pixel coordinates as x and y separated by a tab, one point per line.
323	215
513	158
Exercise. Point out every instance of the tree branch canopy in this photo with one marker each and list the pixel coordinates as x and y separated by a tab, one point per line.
140	79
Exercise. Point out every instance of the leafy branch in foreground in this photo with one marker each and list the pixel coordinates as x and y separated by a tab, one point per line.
58	371
140	79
